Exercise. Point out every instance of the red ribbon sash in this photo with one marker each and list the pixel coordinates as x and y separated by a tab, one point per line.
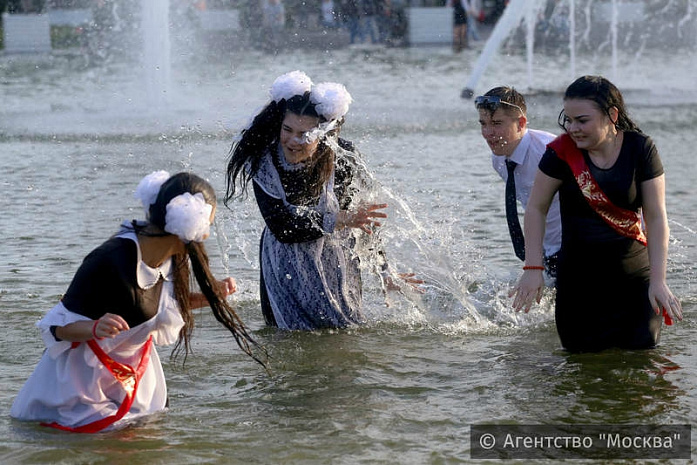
625	222
126	375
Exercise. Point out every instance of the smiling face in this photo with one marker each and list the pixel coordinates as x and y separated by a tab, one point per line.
587	124
502	130
296	147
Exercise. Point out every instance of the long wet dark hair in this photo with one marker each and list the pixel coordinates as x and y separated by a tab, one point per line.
196	254
605	95
264	135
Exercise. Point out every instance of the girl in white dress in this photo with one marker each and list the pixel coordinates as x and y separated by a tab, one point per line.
100	369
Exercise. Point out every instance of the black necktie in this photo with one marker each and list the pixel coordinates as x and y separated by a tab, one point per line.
512	213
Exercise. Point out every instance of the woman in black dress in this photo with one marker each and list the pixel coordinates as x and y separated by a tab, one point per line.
611	282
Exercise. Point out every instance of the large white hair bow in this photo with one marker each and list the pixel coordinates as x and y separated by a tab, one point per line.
189	217
149	187
331	100
289	85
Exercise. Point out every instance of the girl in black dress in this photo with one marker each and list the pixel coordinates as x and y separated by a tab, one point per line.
611	281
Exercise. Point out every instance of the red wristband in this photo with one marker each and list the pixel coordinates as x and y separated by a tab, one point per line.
533	267
94	330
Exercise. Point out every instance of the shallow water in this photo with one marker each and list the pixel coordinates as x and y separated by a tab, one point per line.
406	387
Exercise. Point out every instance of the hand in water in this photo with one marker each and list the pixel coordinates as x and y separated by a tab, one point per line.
665	303
528	290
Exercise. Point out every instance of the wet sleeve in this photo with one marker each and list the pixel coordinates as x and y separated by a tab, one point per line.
650	165
58	316
292	223
552	165
98	286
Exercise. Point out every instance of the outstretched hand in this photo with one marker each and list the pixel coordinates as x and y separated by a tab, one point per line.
363	218
663	301
409	278
528	289
228	286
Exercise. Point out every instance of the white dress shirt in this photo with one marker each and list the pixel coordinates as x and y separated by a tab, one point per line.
527	155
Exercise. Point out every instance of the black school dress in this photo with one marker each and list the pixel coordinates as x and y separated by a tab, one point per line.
603	276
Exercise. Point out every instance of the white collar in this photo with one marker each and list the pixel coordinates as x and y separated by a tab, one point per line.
521	149
148	276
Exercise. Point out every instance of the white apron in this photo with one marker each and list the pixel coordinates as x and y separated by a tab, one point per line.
71	387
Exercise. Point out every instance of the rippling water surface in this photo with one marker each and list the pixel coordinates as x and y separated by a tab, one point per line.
406	387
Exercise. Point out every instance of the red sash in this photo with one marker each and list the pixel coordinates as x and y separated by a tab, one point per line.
625	222
126	375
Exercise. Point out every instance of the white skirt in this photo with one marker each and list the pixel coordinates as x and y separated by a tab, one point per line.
71	387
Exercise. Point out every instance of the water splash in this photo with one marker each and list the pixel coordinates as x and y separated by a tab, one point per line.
411	246
223	245
686	228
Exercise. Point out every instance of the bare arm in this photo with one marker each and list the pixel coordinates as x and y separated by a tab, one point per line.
108	325
227	285
657	234
531	283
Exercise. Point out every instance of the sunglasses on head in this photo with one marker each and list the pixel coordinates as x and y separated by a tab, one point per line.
492	102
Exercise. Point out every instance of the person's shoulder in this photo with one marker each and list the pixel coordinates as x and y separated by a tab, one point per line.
639	141
637	137
540	140
113	250
117	244
543	136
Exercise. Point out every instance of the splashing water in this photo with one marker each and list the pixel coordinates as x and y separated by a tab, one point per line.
450	301
411	246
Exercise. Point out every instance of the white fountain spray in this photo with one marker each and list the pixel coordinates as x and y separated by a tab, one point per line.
613	38
508	21
530	41
572	39
156	51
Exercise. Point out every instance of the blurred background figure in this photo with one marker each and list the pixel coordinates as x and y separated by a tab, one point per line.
473	13
459	23
328	17
273	25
